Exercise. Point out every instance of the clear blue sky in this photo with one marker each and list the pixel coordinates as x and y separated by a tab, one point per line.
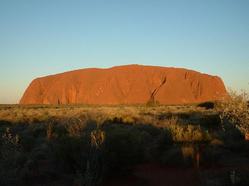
42	37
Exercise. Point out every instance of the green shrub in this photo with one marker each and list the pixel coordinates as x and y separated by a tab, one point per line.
10	157
172	156
212	154
122	147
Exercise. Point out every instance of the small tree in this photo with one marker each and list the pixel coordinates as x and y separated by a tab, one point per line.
94	165
235	111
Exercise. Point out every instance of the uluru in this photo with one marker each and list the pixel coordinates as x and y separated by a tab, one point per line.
129	84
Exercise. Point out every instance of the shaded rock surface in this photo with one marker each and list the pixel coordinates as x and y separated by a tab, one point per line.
130	84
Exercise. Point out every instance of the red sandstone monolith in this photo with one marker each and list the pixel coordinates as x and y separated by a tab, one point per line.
130	84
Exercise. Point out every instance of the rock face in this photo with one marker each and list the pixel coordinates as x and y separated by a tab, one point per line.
130	84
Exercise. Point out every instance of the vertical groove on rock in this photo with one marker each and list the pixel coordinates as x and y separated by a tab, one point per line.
154	93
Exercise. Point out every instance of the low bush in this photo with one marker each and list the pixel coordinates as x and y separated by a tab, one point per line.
207	105
188	133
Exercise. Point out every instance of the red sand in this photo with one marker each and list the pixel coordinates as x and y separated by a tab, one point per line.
130	84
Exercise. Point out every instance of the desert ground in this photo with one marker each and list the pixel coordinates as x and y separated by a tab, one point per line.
121	145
